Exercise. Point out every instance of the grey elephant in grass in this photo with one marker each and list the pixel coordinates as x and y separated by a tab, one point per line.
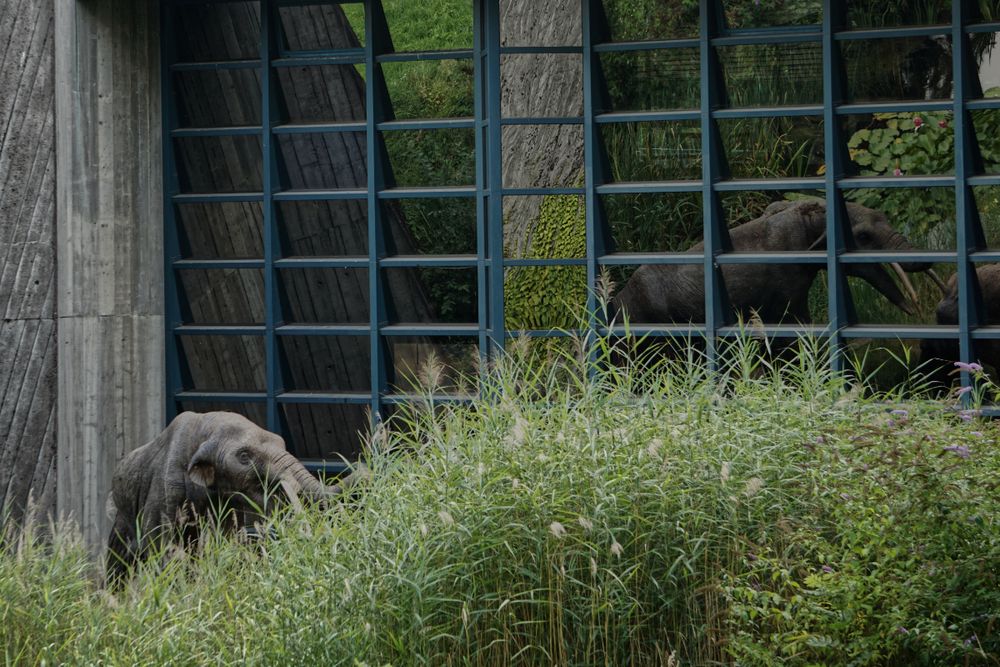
940	354
217	465
675	293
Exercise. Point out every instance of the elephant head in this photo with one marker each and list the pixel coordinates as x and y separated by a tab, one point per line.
870	232
246	470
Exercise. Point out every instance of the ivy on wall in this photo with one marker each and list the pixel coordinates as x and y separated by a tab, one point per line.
550	297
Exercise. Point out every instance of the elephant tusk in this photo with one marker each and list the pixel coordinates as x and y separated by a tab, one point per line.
907	285
291	490
937	281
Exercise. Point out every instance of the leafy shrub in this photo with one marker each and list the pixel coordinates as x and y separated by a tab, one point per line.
758	516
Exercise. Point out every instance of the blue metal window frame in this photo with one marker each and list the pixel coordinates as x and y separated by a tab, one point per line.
488	190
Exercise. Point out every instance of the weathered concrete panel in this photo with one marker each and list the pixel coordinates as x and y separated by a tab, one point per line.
109	240
27	256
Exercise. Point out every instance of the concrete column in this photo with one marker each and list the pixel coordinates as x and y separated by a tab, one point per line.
109	246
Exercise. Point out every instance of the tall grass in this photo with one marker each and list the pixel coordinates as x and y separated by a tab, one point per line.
764	514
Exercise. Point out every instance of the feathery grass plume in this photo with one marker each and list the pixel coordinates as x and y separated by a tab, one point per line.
761	514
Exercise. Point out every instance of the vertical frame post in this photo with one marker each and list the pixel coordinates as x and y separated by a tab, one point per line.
967	225
375	40
171	187
268	29
714	169
838	304
494	170
482	125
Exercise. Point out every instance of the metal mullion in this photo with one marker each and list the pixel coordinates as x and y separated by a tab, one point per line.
171	240
417	56
969	235
894	32
592	20
482	122
494	218
375	30
838	308
272	306
713	170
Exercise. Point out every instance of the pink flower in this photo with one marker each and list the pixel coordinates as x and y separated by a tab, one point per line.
897	172
917	122
942	124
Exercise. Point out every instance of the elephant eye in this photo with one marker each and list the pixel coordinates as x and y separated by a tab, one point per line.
864	237
243	456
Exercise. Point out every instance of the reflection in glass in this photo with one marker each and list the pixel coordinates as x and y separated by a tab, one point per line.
667	222
986	123
439	364
902	144
882	14
219	164
773	75
217	98
741	207
324	296
534	23
450	296
323	228
545	297
224	363
430	88
925	216
659	294
326	363
222	296
543	156
875	307
323	161
198	26
332	432
545	227
988	204
321	94
773	147
632	21
652	80
655	151
438	226
742	14
905	68
220	231
432	157
541	85
318	26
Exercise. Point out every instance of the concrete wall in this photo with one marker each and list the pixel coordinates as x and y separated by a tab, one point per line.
27	256
109	240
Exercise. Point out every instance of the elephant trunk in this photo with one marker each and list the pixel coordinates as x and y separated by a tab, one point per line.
294	479
899	243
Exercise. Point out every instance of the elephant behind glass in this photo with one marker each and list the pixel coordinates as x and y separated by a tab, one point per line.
675	293
940	355
217	465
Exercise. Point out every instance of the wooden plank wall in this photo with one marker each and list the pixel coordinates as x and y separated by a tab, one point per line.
110	250
27	257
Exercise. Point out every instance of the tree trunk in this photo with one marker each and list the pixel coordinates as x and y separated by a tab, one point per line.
325	229
539	86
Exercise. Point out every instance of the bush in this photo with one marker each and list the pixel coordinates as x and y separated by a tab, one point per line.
761	517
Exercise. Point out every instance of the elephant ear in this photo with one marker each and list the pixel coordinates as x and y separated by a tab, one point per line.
201	469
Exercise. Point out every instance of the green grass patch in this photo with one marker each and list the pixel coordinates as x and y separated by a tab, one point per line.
775	514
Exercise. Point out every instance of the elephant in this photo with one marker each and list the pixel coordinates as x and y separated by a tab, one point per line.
216	465
675	293
987	352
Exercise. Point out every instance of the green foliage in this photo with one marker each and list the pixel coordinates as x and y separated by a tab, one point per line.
754	516
550	297
907	144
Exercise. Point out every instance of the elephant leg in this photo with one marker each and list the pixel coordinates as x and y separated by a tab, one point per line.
123	551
